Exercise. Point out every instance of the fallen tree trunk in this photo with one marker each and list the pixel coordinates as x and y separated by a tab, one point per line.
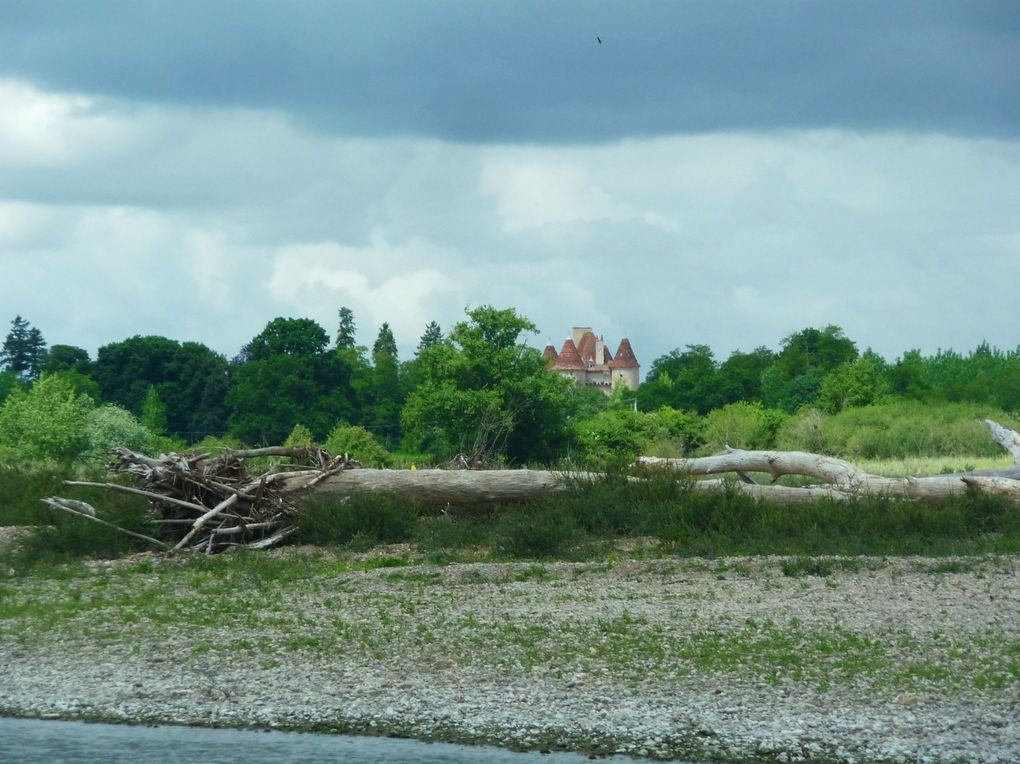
437	487
845	480
216	503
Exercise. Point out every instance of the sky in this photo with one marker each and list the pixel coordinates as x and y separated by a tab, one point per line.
695	172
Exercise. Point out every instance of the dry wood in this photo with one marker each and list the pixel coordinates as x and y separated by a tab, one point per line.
439	487
845	478
200	522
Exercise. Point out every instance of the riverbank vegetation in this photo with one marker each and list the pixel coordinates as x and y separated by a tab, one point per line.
479	395
657	518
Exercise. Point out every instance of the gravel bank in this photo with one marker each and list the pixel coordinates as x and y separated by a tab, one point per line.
875	660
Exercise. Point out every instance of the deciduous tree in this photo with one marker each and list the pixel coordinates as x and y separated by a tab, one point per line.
485	392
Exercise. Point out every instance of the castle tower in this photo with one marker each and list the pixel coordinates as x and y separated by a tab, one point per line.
625	367
569	362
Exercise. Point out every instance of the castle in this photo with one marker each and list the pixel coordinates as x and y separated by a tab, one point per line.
586	358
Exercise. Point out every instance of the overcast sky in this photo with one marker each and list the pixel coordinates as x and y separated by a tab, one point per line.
710	172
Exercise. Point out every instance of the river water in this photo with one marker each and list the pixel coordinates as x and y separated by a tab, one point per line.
36	741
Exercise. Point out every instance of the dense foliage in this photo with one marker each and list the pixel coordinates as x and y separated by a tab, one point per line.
481	391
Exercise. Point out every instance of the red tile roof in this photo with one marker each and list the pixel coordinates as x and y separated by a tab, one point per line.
586	349
549	352
568	359
624	357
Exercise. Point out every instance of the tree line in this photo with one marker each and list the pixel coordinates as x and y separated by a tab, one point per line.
477	390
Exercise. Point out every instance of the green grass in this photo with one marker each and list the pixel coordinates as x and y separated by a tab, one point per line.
661	515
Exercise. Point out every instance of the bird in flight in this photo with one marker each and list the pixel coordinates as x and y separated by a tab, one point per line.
599	39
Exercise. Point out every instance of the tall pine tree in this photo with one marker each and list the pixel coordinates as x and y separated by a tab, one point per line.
346	328
24	350
432	336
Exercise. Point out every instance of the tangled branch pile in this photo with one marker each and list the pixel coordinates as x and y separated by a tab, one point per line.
217	502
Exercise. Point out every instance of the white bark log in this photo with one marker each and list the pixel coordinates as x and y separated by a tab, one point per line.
775	463
844	479
439	486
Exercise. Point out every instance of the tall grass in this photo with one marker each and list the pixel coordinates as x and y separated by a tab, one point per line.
578	523
58	536
665	513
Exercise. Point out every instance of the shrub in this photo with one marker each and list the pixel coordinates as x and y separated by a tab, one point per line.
742	425
896	428
300	436
618	436
359	443
44	423
111	426
64	537
536	530
365	517
804	431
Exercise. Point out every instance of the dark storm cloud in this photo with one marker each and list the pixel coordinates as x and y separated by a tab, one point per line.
534	71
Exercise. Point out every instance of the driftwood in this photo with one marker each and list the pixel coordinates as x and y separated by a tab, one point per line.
201	502
844	480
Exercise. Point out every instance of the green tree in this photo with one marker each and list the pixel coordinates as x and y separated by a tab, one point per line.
67	358
855	383
682	380
8	382
346	330
24	350
387	394
287	336
109	427
909	378
268	397
433	335
806	357
45	422
153	412
287	376
82	385
739	377
484	392
190	379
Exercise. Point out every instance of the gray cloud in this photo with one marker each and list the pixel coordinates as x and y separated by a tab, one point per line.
532	71
204	224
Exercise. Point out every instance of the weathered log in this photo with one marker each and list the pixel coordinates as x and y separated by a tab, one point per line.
437	487
845	478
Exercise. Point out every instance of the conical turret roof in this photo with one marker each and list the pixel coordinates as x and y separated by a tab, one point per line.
549	352
586	348
568	358
624	358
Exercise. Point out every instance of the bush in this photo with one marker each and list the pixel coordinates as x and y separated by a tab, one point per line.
617	437
300	436
742	425
44	423
359	443
536	530
21	490
804	431
895	429
110	427
363	517
63	537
